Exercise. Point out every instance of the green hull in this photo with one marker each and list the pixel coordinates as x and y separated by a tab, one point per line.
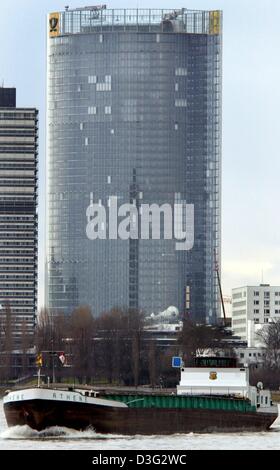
184	402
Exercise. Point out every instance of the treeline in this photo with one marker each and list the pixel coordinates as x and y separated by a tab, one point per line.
113	348
269	372
15	342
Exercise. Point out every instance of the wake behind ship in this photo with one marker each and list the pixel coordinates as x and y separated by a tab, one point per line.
215	396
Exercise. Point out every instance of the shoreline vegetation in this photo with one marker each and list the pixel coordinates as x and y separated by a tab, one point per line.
121	347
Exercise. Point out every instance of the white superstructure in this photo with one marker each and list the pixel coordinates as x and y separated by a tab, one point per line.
224	381
213	381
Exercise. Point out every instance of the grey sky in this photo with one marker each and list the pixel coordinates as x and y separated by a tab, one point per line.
251	104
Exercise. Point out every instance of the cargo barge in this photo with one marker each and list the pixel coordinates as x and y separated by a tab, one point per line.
209	398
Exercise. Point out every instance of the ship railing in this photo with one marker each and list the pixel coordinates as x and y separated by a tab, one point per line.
231	392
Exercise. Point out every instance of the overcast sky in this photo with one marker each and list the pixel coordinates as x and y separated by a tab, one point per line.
251	131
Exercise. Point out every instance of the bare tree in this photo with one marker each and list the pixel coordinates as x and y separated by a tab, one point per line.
110	348
152	362
82	332
135	328
51	332
44	331
270	337
110	329
2	357
25	343
135	349
200	338
7	343
119	347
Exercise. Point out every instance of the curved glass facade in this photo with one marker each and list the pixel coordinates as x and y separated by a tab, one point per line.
133	112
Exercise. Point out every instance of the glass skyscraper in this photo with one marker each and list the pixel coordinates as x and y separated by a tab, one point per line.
134	113
18	215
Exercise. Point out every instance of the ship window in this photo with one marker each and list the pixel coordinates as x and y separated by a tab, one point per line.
86	394
215	362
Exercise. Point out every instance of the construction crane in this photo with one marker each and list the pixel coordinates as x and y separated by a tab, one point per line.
220	286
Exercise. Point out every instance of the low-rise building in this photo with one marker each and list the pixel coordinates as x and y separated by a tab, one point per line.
258	304
249	356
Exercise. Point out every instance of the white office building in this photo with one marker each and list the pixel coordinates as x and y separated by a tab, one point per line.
253	306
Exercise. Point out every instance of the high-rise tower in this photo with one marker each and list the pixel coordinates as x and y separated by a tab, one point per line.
134	112
18	214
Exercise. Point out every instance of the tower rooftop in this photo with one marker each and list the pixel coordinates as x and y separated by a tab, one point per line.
99	18
7	97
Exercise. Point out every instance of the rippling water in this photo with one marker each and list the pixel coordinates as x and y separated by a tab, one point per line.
22	437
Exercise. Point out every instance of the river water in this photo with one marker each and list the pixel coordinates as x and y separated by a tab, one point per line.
22	437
